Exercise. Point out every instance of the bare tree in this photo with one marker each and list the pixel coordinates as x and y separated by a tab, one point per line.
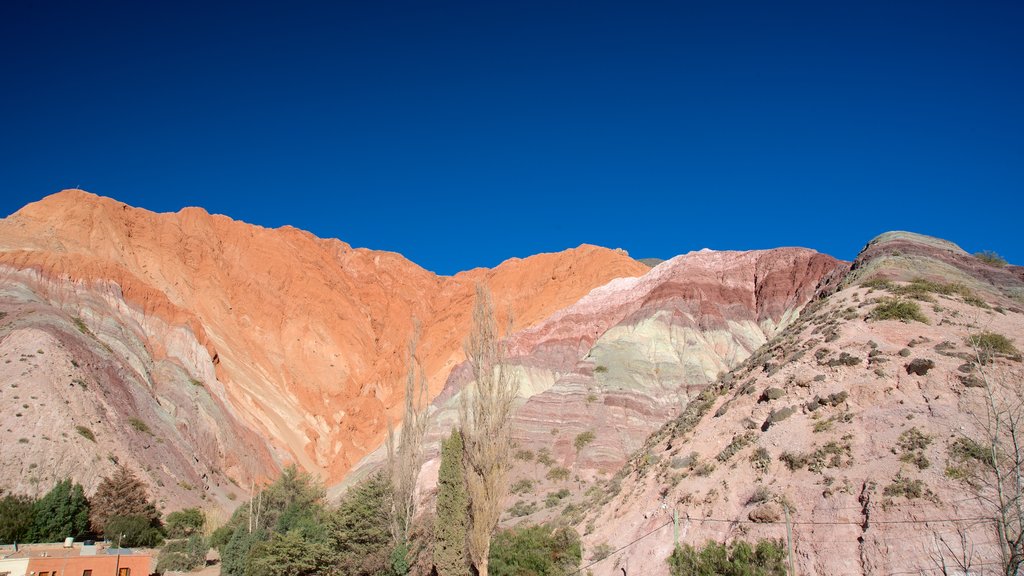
486	415
999	451
405	455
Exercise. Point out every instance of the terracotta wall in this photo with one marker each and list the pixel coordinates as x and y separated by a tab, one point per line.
100	565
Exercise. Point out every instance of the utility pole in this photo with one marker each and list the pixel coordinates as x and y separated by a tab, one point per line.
789	542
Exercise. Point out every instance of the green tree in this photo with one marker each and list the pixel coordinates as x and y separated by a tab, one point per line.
16	518
62	512
184	523
361	528
291	553
133	531
452	516
536	550
182	555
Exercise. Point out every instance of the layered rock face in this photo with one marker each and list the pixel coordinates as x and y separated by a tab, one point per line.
299	341
597	377
857	425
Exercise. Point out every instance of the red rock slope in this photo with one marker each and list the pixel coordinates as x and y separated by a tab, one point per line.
303	337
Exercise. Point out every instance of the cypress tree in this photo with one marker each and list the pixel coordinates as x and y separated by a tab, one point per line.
452	519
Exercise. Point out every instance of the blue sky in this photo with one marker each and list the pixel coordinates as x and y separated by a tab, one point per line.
462	134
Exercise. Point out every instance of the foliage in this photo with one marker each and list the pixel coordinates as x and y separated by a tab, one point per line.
16	518
485	414
452	516
86	433
535	550
583	438
991	258
133	531
121	494
361	528
184	523
739	558
522	486
182	555
898	309
62	512
989	342
558	473
139	425
290	553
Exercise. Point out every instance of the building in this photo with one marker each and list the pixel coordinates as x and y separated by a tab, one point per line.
75	560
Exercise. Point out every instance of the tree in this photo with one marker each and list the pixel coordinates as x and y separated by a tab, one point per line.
291	553
16	518
536	550
361	528
452	519
486	417
184	523
133	531
121	495
405	459
62	512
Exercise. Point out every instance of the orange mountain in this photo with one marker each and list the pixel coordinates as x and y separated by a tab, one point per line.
304	338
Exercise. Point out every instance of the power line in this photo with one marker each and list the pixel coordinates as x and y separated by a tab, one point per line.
622	548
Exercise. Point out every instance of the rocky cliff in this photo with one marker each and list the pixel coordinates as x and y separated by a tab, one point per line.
272	345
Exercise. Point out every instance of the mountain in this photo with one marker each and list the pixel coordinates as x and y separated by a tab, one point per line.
858	424
206	352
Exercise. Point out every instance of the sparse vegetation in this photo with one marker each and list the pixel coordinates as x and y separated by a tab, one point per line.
991	258
139	425
990	342
558	473
906	487
524	455
522	508
86	433
542	550
898	309
739	442
554	498
523	486
583	438
738	558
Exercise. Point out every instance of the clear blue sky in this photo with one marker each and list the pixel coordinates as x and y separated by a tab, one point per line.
461	134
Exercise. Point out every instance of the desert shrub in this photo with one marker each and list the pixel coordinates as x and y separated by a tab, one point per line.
535	550
991	342
583	438
522	486
991	258
86	433
965	449
905	487
898	309
139	425
913	439
524	455
554	498
760	494
558	473
761	459
184	523
738	558
601	551
877	284
522	508
182	555
793	460
544	457
600	369
739	442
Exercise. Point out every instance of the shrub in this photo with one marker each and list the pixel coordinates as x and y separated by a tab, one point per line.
738	558
182	555
761	459
738	443
991	258
583	438
909	488
913	439
184	523
558	473
522	486
991	342
139	425
761	494
544	457
524	455
84	432
898	309
536	550
554	498
877	284
601	551
521	508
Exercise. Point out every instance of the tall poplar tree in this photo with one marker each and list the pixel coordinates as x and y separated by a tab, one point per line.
452	517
